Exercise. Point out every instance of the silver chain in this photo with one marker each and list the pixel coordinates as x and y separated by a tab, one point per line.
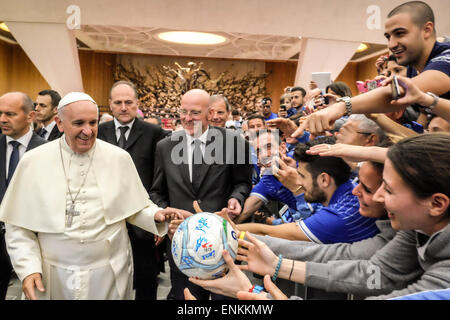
65	176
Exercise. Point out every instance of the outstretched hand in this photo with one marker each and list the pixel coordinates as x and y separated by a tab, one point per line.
410	93
319	122
260	259
168	214
349	153
235	280
274	291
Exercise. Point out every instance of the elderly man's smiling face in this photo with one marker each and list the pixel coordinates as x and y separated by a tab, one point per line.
80	125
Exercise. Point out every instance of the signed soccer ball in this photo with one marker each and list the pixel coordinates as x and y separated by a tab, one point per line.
198	243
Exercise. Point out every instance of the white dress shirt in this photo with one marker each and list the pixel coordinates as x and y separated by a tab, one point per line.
23	140
117	125
190	148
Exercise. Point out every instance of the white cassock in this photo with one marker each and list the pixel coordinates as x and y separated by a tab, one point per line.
91	258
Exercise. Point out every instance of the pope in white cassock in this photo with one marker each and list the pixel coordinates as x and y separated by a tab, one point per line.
66	210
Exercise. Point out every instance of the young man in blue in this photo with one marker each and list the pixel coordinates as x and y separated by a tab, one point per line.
410	31
268	146
324	180
266	109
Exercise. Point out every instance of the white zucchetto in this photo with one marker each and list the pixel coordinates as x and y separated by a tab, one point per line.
74	97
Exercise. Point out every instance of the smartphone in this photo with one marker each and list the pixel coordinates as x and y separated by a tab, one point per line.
323	79
326	100
395	88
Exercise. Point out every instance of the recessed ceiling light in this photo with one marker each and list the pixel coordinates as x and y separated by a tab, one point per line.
4	27
362	47
189	37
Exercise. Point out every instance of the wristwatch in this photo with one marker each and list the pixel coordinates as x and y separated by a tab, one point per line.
348	105
430	108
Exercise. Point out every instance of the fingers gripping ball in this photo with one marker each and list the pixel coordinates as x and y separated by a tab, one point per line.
198	243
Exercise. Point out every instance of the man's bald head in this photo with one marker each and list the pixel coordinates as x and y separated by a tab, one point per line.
21	98
194	111
198	95
16	114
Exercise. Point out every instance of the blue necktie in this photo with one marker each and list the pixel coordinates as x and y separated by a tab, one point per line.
42	132
14	160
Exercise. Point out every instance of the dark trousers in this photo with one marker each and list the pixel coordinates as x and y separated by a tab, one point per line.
5	267
145	263
179	282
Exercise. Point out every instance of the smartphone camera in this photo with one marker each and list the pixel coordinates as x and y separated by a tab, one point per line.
395	87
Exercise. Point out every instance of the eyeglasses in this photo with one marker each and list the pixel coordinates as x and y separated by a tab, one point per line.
190	113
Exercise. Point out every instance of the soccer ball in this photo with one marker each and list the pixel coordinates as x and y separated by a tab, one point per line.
198	243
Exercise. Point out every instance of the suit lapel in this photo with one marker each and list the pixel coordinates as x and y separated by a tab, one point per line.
54	134
109	132
33	142
184	167
135	133
3	162
212	132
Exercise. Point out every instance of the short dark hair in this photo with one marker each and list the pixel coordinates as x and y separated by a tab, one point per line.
340	88
265	99
423	162
235	112
420	12
337	168
53	95
256	116
298	89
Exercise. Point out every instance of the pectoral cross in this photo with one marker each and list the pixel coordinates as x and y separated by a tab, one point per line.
70	213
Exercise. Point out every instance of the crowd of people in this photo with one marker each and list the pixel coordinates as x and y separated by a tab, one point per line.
341	193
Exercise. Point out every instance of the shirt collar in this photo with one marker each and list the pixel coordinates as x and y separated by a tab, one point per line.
117	124
23	140
50	126
202	138
340	191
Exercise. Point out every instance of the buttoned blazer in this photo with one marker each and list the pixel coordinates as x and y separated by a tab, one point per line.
228	176
141	145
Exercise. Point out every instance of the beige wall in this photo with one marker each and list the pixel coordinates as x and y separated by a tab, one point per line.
360	71
17	73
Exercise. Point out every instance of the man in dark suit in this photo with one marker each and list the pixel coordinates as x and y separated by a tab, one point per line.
16	116
139	138
203	163
46	110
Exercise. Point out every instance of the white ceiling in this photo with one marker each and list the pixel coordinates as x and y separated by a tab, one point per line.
145	40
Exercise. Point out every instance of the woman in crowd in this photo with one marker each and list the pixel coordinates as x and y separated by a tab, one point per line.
415	193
